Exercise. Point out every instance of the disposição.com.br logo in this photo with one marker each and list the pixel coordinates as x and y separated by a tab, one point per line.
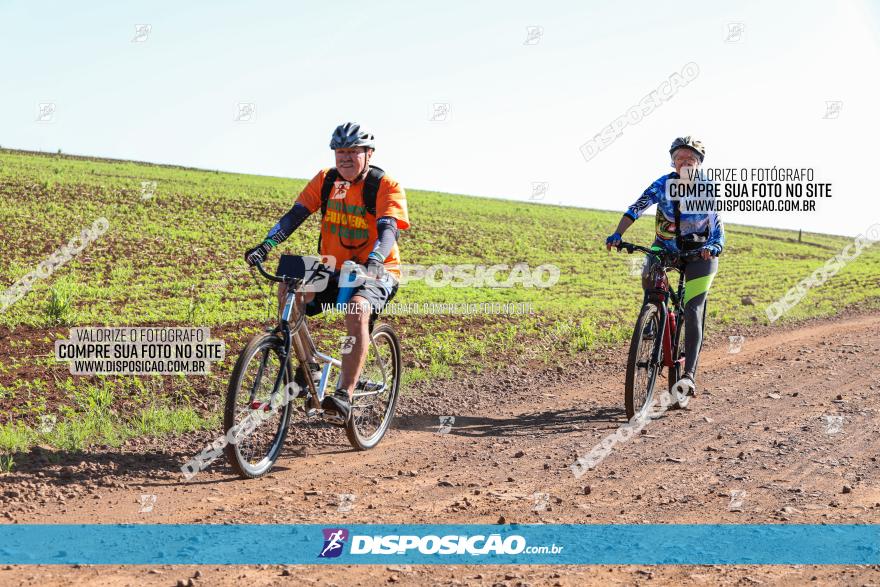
453	544
334	542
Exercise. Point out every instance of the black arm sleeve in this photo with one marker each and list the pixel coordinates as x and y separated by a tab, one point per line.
288	223
387	229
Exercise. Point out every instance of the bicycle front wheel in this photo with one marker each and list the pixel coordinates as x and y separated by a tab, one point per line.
375	398
677	370
641	375
257	410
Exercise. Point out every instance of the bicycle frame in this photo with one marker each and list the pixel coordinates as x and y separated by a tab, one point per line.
670	321
306	352
661	294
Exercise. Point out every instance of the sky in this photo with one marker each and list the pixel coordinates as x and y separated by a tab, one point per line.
481	98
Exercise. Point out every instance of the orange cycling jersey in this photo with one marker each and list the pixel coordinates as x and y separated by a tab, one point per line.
348	230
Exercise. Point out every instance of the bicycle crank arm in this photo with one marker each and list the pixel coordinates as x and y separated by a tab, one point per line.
324	416
368	393
332	418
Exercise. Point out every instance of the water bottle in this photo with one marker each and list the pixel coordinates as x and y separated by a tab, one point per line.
347	277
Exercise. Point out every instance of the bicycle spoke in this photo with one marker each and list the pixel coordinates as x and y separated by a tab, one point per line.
642	369
371	411
258	414
259	374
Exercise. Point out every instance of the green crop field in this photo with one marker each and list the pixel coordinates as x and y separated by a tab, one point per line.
175	258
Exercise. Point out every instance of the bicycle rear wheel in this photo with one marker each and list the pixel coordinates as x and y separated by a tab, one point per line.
256	406
641	376
371	413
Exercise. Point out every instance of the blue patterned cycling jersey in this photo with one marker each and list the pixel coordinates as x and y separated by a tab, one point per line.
706	224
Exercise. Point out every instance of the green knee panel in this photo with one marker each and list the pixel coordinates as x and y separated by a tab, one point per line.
697	286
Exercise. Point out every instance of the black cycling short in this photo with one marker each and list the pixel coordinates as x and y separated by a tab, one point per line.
378	292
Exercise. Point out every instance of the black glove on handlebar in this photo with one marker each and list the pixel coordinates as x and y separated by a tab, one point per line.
257	254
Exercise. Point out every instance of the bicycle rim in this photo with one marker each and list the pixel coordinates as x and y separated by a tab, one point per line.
641	376
372	414
256	410
681	401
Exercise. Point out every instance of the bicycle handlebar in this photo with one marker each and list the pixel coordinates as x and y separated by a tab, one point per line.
630	247
270	276
284	278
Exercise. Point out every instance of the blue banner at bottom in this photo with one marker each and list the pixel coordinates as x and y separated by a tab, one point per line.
565	544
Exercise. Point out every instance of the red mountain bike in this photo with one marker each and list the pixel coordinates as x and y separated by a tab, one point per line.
658	338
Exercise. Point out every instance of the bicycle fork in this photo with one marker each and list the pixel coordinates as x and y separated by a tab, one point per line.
668	329
304	351
661	349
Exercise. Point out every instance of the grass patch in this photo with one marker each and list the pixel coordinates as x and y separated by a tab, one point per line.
164	420
6	464
59	307
15	437
94	421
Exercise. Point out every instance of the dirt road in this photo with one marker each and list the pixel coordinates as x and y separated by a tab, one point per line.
785	430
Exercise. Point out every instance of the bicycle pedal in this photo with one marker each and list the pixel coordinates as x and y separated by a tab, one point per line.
332	418
370	387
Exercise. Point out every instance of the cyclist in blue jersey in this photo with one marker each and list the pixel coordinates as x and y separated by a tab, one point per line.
680	230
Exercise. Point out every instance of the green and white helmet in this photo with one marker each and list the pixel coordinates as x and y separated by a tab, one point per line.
350	135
